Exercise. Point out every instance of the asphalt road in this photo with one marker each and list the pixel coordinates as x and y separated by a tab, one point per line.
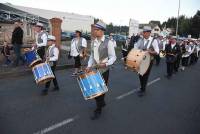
169	107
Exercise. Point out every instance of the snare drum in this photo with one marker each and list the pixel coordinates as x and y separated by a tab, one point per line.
138	61
42	73
32	58
92	84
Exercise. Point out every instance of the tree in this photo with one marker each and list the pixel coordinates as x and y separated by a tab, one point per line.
195	25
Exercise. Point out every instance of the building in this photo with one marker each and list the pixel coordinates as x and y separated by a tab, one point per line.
7	17
70	21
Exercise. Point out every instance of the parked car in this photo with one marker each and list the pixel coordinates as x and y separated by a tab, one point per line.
67	36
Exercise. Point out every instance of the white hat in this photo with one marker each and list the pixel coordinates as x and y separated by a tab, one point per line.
146	29
51	37
39	24
101	25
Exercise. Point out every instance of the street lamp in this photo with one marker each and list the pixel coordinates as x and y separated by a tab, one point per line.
177	19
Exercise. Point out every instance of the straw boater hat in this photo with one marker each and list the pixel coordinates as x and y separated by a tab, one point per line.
100	25
51	38
147	29
38	24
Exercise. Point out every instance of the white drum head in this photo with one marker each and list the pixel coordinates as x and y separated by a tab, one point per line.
144	64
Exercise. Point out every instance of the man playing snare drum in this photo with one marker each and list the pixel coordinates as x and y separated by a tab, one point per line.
102	56
146	43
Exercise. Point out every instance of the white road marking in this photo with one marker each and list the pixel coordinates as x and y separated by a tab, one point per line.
135	90
57	125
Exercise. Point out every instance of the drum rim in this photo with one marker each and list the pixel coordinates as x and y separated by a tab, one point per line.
33	62
41	80
95	95
38	65
82	76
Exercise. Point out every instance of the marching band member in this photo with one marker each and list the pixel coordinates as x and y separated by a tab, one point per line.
183	51
125	47
160	45
103	56
146	43
193	53
41	40
51	58
172	51
78	51
111	38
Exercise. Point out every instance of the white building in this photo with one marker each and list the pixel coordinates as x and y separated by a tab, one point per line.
71	21
133	27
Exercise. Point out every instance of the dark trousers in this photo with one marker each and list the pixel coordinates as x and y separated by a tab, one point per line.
41	52
144	78
17	51
47	85
191	59
177	63
157	58
100	102
7	60
170	67
124	54
77	63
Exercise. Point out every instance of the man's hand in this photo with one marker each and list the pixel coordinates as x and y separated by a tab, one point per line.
151	52
47	59
88	69
34	46
101	65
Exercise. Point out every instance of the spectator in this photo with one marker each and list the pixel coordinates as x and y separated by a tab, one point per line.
17	41
6	53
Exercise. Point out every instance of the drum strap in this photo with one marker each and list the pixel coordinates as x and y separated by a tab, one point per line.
145	45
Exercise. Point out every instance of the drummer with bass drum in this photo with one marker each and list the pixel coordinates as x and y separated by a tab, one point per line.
146	43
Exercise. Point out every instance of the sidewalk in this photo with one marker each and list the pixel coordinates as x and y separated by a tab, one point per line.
10	71
63	63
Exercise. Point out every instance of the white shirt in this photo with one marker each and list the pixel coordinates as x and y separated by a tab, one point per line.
44	38
74	46
111	52
173	45
114	42
55	53
154	44
165	42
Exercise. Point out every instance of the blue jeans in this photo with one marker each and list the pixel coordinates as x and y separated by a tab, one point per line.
17	51
7	60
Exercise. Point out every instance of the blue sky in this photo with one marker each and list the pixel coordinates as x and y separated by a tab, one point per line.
117	11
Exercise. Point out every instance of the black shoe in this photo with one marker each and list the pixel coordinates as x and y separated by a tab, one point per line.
55	89
44	92
168	76
96	115
104	104
140	93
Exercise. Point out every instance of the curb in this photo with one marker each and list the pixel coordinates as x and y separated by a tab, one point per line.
28	72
